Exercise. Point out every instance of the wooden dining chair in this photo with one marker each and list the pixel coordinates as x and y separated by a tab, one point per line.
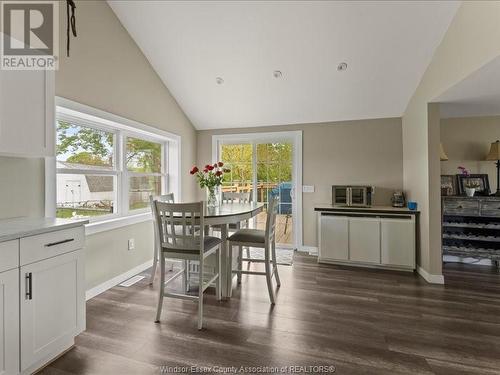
180	238
265	239
168	198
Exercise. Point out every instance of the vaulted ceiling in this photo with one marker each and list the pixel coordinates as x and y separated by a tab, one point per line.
477	95
387	46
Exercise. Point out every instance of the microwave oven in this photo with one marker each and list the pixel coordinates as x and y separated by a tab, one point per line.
347	195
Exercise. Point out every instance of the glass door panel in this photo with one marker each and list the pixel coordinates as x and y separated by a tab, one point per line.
358	196
274	178
239	159
265	169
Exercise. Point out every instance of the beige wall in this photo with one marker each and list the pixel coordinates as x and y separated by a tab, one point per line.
350	152
470	42
467	141
107	71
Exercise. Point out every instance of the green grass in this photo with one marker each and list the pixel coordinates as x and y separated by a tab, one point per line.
65	213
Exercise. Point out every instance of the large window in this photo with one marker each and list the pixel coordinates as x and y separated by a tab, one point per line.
104	171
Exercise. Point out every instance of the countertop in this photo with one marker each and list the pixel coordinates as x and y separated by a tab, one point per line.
11	229
378	209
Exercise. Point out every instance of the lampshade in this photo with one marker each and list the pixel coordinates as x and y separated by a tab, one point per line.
442	154
494	151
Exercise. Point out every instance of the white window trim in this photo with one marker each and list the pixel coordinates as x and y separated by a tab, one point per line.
294	137
172	161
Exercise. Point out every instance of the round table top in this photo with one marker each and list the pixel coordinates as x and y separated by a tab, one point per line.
233	209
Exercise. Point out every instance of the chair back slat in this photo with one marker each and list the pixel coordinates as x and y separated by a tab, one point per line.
169	198
179	224
233	197
272	211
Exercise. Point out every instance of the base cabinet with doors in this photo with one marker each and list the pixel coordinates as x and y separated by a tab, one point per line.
367	237
42	297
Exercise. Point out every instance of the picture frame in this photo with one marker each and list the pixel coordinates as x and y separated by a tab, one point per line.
481	180
449	185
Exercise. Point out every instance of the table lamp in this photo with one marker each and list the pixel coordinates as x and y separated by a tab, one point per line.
495	155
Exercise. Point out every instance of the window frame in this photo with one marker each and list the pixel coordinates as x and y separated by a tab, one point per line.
121	128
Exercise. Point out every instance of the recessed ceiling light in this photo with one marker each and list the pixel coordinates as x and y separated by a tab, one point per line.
219	80
342	66
277	74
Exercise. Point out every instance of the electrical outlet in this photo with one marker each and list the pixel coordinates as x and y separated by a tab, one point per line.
131	244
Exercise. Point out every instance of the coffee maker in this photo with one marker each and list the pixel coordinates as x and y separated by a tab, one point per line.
398	199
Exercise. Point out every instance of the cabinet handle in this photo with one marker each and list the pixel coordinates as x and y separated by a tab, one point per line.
59	242
29	289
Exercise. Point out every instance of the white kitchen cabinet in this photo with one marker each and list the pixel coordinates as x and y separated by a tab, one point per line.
334	237
364	240
42	291
52	311
397	242
9	322
27	118
367	237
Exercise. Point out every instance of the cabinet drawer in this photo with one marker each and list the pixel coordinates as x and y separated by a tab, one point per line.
490	208
462	207
47	245
9	255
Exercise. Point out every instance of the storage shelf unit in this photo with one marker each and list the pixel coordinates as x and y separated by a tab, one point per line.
471	227
367	237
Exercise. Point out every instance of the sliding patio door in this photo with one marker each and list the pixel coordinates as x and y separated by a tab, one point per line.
267	165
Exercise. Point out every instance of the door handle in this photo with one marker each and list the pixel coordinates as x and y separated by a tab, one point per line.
59	242
29	286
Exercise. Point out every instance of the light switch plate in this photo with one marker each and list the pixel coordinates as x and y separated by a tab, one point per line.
131	244
308	188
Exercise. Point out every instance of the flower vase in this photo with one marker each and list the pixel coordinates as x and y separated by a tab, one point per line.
212	196
470	191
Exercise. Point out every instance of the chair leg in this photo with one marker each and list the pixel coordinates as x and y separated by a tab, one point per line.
185	264
200	295
218	283
155	263
240	263
230	267
161	288
275	264
268	275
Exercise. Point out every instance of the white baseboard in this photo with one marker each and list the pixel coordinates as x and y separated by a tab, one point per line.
312	250
432	279
91	293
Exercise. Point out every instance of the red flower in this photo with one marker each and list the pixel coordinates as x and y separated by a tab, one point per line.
220	164
210	167
206	166
218	173
205	170
194	170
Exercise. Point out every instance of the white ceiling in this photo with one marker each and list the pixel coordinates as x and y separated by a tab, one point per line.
387	46
476	95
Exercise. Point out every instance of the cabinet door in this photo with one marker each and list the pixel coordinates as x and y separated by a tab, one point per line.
9	322
364	240
398	242
334	241
52	307
27	113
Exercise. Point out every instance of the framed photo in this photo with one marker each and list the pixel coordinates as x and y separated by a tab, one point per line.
448	184
480	181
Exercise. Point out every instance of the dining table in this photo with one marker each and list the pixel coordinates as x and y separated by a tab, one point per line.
221	216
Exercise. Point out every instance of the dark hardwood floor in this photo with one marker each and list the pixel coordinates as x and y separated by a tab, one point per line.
361	321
